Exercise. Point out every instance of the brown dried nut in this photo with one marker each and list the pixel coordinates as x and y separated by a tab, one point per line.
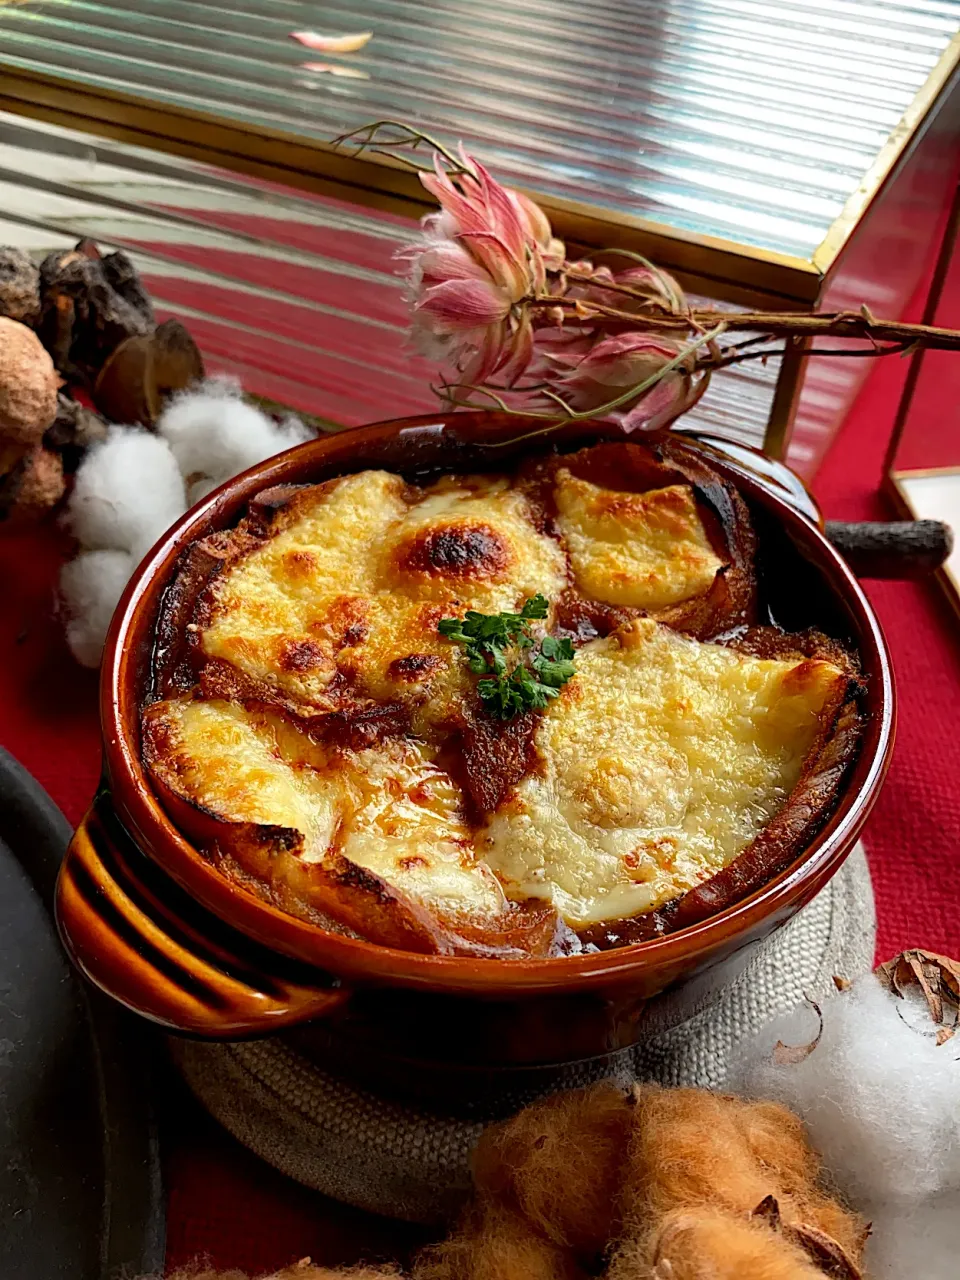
177	359
19	286
89	305
34	486
74	430
144	371
28	386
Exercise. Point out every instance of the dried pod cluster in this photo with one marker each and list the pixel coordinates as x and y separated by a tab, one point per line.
19	286
649	1185
936	978
654	1184
80	323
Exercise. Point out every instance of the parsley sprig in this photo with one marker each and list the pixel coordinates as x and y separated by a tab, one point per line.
496	646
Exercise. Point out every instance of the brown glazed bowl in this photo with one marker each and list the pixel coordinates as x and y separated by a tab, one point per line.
150	921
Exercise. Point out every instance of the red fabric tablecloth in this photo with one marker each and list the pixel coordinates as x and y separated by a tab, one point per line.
222	1201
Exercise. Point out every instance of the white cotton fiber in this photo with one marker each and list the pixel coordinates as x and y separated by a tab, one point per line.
915	1241
880	1098
90	587
128	491
214	435
131	488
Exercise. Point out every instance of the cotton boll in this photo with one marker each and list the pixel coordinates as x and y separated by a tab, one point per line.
90	587
881	1100
921	1240
128	491
214	435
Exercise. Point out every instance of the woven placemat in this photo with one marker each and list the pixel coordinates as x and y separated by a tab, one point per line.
409	1163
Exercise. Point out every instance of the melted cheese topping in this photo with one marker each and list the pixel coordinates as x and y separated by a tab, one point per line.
660	763
359	580
644	550
387	809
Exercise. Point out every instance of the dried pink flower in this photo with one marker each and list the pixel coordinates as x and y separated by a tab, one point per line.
331	44
481	256
552	250
612	366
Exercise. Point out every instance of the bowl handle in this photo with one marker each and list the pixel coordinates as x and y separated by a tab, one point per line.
147	943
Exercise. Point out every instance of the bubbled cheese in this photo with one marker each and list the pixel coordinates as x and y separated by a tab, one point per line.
358	581
660	762
644	550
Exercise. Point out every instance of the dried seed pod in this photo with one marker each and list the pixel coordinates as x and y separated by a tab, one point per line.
558	1164
124	278
33	486
28	387
693	1149
494	1243
19	286
84	317
144	371
711	1244
936	977
74	430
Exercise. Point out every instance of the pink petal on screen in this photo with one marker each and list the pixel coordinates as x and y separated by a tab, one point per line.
331	44
353	73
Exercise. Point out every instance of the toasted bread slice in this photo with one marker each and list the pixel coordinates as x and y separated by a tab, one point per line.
802	812
371	839
650	532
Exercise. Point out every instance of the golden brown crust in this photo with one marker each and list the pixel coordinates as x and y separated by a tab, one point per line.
627	468
807	808
486	757
365	905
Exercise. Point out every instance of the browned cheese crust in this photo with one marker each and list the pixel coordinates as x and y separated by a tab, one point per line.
342	768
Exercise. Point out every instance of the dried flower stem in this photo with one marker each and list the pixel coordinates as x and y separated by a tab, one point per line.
835	324
832	324
496	244
366	139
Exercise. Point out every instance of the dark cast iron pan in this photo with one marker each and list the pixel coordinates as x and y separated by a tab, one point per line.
80	1195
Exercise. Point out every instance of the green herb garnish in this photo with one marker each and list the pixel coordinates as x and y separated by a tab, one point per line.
491	640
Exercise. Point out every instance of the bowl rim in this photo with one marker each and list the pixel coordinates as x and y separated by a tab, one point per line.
141	812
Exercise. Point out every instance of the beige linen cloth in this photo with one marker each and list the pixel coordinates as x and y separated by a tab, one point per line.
408	1163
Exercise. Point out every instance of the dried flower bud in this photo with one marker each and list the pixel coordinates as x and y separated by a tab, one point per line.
479	258
615	364
647	284
539	230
